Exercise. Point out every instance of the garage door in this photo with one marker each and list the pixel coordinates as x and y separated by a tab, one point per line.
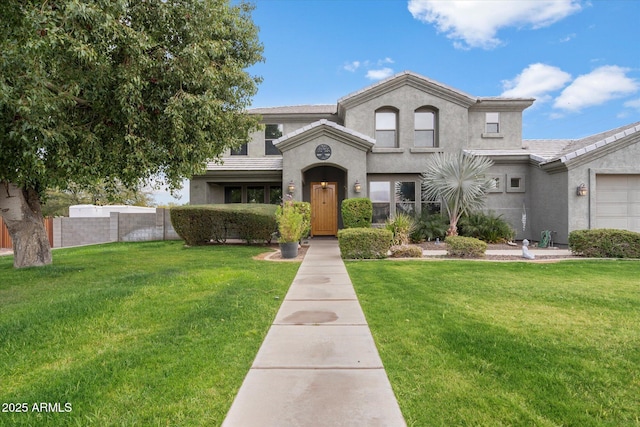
618	202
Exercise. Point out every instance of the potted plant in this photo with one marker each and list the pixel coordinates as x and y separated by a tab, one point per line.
291	226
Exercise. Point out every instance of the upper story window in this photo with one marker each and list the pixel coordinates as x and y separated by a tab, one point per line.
425	128
240	151
492	123
386	127
271	133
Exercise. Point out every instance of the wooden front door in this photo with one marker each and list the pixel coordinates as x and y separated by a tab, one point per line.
324	209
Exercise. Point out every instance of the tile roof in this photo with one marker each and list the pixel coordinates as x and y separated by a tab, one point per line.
297	109
563	150
242	163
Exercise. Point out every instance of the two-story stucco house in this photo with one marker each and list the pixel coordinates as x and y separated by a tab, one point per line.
374	143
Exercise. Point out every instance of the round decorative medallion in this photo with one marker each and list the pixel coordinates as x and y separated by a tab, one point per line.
323	151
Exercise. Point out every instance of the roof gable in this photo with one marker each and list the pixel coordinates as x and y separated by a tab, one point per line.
405	78
322	127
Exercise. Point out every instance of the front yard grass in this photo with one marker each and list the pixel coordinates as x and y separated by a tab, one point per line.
134	334
507	344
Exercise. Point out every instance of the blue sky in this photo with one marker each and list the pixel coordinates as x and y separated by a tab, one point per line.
579	59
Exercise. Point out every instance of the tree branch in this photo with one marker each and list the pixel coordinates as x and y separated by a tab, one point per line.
53	88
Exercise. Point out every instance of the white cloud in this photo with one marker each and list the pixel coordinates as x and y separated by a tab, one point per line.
568	38
380	74
375	70
599	86
352	66
476	23
633	104
536	81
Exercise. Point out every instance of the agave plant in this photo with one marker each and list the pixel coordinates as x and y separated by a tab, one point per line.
459	181
401	225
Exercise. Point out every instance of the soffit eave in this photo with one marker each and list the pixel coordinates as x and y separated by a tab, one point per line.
241	175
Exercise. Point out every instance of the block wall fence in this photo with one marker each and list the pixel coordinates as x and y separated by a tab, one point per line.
118	227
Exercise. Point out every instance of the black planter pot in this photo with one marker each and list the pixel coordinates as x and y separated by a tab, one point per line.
289	250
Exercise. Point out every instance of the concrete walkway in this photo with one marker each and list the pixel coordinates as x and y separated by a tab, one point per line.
318	365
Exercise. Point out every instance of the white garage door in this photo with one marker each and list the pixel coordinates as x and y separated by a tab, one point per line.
618	202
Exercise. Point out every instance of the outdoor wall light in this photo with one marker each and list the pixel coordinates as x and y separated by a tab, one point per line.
291	187
582	190
357	187
323	184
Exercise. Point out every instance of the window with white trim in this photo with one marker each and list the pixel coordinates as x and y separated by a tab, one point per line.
271	133
380	195
425	128
492	123
240	151
386	128
256	193
405	194
498	183
515	184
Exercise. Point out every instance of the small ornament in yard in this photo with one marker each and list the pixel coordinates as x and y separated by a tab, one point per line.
525	250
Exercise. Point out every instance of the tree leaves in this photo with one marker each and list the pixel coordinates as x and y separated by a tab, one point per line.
122	90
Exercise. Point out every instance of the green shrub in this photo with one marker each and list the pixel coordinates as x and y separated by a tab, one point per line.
253	227
290	223
200	224
304	208
489	227
401	226
406	251
605	243
364	243
357	213
430	227
465	247
194	224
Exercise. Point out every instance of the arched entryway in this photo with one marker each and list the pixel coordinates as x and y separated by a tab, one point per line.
324	188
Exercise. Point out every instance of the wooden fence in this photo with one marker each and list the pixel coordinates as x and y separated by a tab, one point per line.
5	239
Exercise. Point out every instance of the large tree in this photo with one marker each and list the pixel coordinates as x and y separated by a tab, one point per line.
119	91
459	181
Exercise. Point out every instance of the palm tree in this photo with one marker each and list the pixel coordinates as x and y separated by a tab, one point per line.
459	181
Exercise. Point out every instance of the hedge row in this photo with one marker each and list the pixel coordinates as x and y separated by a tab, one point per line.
357	212
201	224
364	243
465	247
605	243
406	251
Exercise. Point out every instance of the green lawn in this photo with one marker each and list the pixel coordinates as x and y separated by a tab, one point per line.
134	334
507	344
